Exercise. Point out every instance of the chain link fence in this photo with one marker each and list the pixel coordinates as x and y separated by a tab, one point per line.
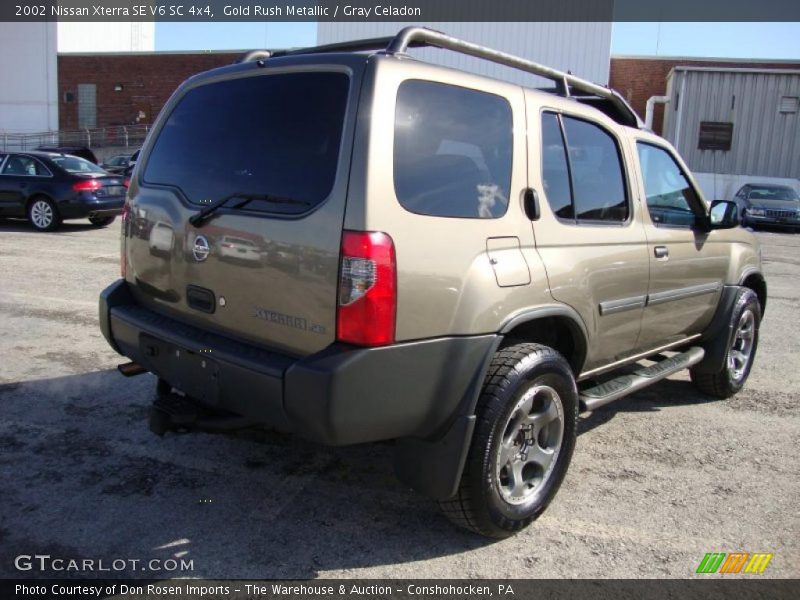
103	141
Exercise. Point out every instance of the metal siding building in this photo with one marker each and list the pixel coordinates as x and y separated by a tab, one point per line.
761	105
28	78
106	37
582	48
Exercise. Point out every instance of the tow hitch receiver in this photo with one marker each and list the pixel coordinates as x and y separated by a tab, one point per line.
173	412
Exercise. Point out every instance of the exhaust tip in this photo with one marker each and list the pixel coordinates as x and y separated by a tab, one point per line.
131	368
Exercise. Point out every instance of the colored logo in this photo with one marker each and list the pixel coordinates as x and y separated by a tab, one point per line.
201	248
735	562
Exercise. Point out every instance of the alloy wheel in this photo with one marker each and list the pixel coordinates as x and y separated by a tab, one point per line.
42	214
531	441
742	346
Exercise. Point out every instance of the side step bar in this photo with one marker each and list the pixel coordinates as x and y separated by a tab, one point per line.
605	393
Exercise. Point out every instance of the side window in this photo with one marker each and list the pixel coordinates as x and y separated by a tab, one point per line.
24	165
452	151
587	183
670	196
555	171
598	183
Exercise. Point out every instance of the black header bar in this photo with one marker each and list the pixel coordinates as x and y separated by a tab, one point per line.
411	11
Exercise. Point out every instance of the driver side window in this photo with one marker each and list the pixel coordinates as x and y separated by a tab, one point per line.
670	197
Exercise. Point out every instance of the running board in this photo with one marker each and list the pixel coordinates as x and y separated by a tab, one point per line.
607	392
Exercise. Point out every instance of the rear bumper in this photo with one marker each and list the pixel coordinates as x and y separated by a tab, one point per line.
341	395
96	208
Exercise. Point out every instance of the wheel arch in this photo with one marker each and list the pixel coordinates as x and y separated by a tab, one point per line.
755	281
38	194
557	326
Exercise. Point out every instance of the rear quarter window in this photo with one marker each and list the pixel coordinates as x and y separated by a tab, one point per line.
276	134
452	151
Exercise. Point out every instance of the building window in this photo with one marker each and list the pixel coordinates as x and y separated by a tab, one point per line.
789	104
87	105
715	136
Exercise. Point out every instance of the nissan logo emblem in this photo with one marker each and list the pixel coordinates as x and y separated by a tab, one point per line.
201	248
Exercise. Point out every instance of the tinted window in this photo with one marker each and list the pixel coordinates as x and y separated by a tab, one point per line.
24	165
73	164
555	174
268	134
598	183
452	151
670	196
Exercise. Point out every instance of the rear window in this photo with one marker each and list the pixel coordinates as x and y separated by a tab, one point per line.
452	151
73	164
268	134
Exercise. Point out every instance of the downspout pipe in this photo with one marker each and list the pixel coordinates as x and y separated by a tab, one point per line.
650	109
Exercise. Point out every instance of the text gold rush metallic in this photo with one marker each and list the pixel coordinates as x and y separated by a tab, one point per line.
416	253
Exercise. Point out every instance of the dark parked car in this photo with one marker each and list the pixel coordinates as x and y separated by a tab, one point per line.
117	164
46	188
128	170
769	204
80	151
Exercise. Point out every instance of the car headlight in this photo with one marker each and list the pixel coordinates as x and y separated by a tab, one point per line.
756	212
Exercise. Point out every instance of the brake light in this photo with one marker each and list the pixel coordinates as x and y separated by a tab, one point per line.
367	289
126	182
123	262
87	185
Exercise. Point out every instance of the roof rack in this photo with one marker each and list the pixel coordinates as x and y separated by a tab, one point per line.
414	37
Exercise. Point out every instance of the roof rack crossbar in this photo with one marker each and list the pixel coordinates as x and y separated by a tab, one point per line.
353	46
416	36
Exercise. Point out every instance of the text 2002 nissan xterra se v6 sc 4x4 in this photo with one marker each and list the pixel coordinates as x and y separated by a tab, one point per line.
354	245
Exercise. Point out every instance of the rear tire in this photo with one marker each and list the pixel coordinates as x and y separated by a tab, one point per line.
101	221
523	442
43	214
745	322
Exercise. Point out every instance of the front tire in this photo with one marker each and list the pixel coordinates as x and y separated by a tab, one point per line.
101	221
43	214
523	442
742	345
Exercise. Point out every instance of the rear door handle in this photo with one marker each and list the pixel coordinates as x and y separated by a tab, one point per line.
661	252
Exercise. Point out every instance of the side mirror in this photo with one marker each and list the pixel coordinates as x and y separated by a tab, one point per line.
723	214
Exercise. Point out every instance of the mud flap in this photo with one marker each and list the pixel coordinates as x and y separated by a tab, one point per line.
434	468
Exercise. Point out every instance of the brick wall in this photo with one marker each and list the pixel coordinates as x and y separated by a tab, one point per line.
147	82
637	79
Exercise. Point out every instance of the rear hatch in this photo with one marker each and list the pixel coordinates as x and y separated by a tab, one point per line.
263	267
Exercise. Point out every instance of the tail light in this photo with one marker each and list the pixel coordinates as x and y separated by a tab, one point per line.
123	262
367	289
126	182
87	185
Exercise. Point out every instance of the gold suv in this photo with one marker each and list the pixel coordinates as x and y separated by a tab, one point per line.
425	255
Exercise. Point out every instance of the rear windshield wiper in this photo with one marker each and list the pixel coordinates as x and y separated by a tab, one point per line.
201	217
